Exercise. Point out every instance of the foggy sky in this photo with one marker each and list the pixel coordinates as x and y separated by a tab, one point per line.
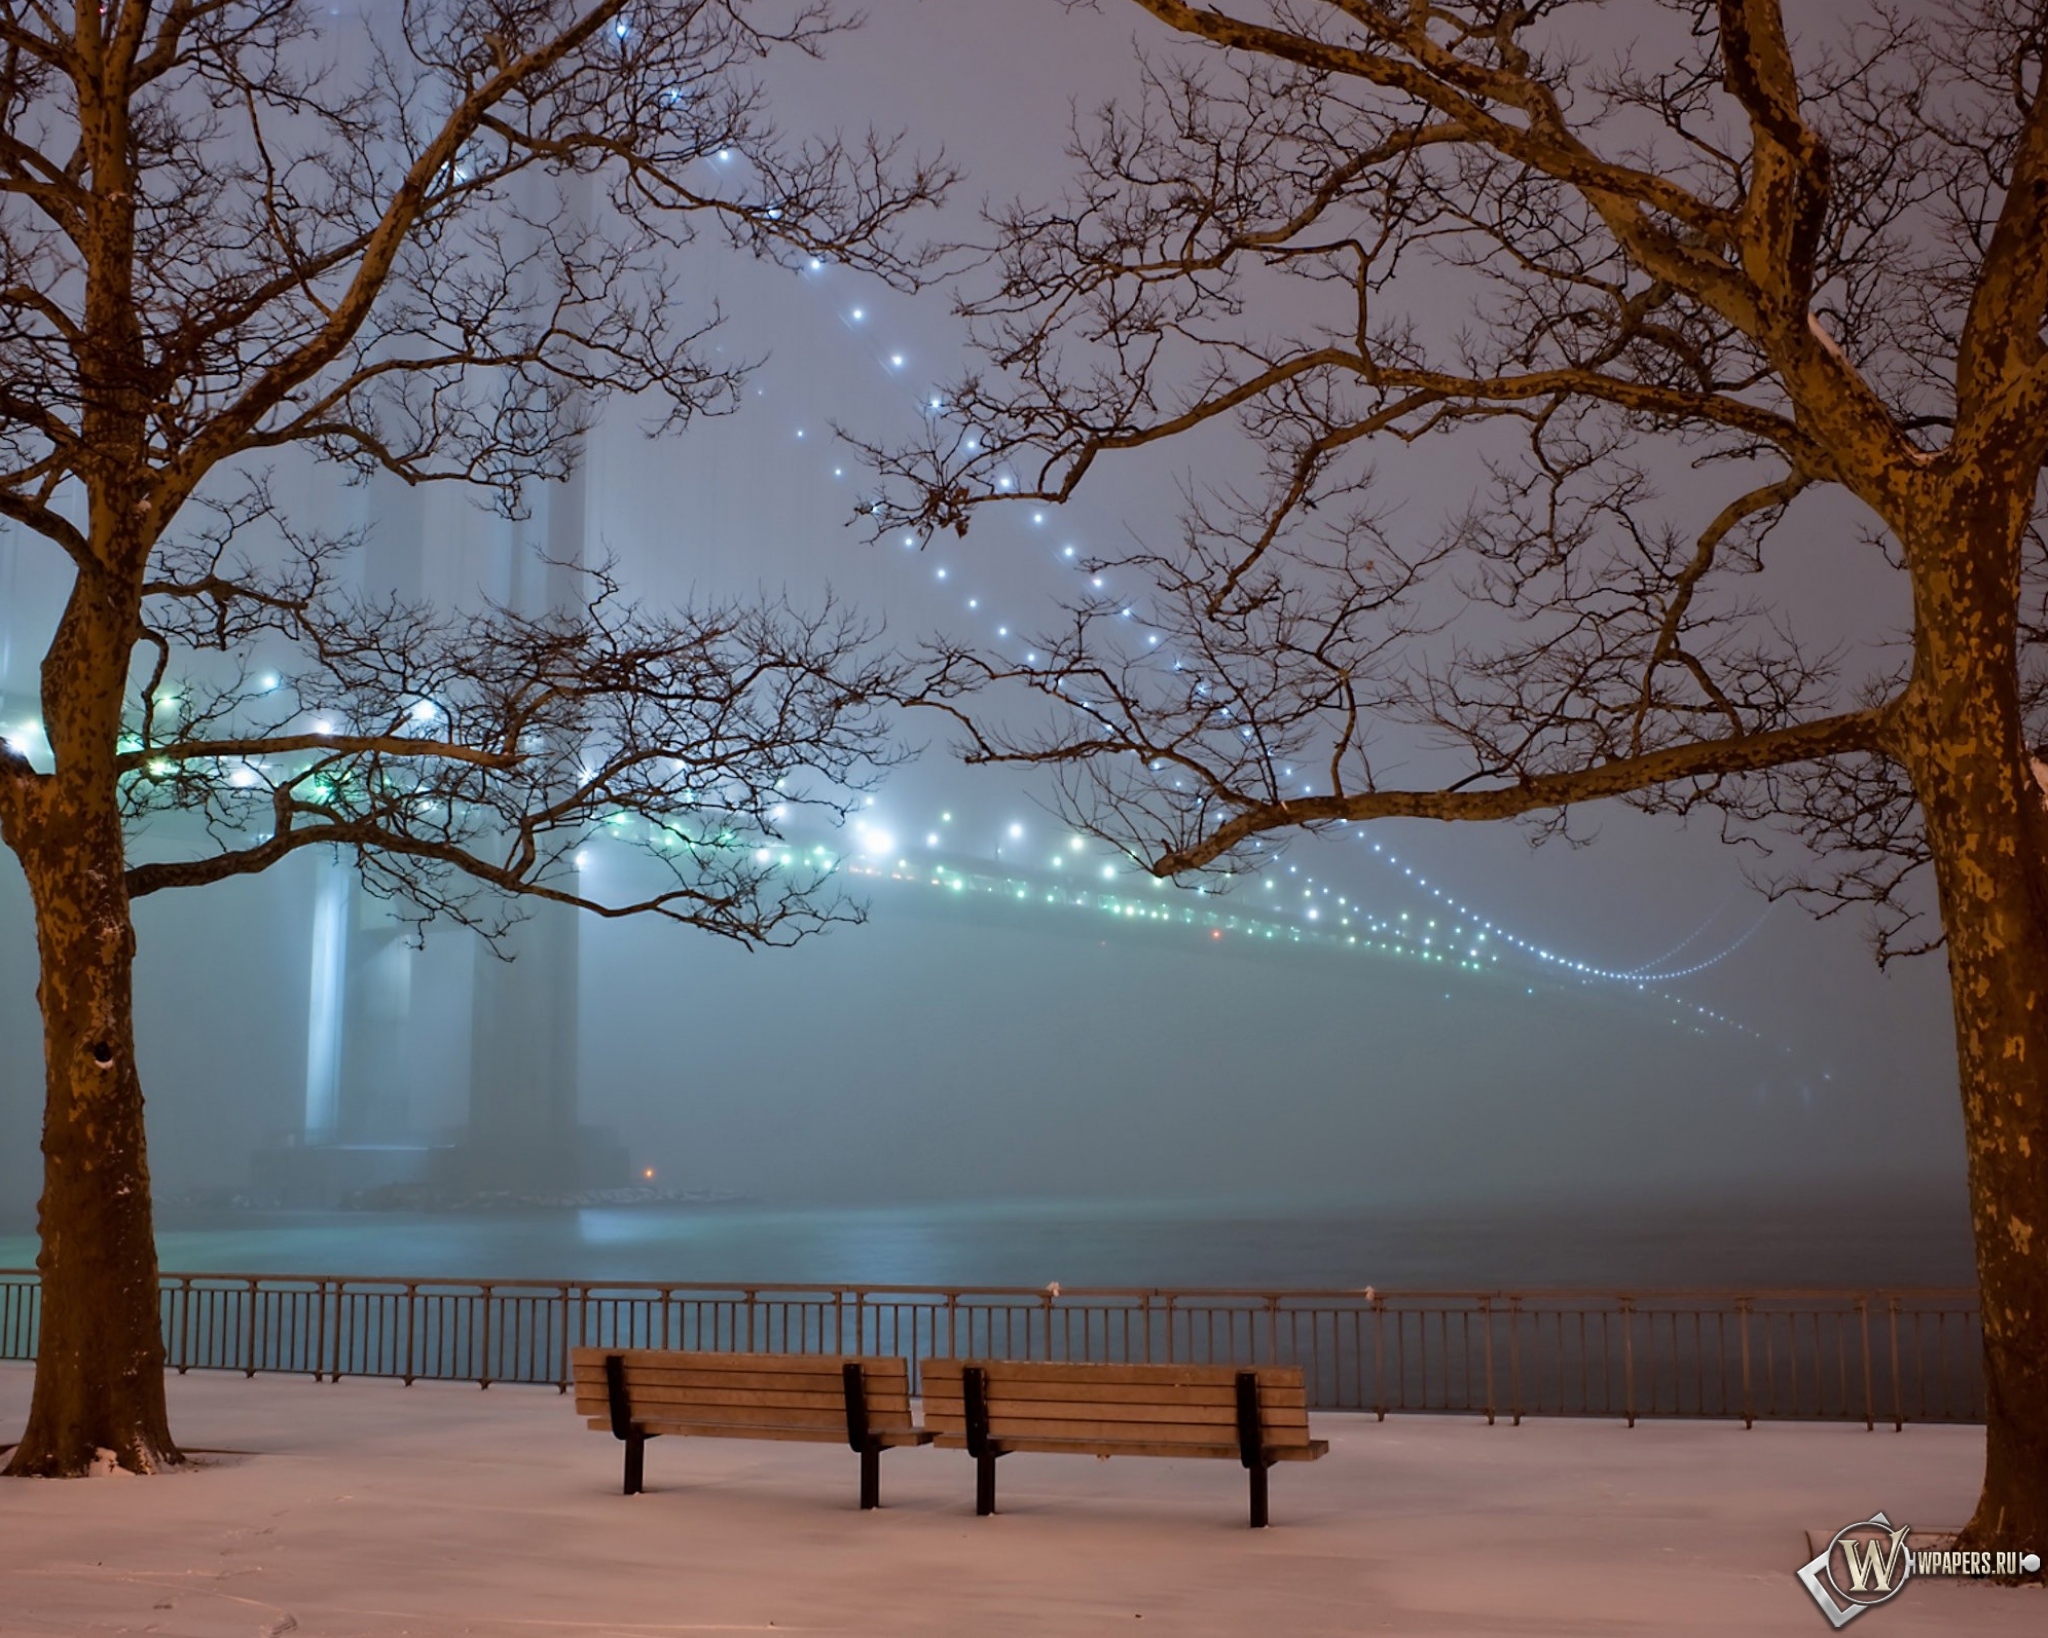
937	1053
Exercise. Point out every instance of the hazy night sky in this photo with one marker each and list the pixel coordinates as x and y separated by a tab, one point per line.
940	1052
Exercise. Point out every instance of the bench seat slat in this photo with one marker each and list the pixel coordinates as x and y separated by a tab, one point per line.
1088	1410
1271	1395
722	1358
1097	1416
742	1416
879	1405
809	1381
1093	1427
943	1403
590	1362
1004	1428
1058	1371
1139	1447
641	1393
739	1415
697	1368
797	1366
889	1438
742	1391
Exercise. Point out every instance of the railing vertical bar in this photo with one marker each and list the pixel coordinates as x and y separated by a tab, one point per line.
1869	1391
1515	1357
1628	1354
483	1358
1898	1383
1486	1321
1748	1397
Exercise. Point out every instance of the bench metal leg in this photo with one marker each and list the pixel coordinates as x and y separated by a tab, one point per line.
1251	1443
974	1401
621	1408
870	1477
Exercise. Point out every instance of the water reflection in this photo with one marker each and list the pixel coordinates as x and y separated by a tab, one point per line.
1855	1238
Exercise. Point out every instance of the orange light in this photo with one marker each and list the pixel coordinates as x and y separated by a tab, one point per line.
648	1173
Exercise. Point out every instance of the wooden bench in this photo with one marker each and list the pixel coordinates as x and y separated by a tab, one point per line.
992	1407
638	1394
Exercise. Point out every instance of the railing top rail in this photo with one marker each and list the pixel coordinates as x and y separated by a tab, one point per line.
1070	1295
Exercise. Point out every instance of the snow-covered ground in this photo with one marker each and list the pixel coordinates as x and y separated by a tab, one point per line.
370	1508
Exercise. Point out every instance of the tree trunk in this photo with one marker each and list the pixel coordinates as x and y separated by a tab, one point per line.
1997	922
99	1384
1988	832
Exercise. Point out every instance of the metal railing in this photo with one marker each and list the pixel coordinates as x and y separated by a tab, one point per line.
1879	1356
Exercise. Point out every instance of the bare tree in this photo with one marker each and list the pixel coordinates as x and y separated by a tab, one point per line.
426	248
1612	251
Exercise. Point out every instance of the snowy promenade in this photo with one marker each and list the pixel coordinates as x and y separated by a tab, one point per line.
369	1508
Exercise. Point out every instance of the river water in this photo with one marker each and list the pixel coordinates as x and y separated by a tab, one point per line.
1849	1237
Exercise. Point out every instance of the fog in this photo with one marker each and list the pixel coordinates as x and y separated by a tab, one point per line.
961	1047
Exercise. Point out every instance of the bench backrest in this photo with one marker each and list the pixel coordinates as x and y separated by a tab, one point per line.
804	1394
1159	1409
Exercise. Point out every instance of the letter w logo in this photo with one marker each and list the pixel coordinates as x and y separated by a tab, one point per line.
1871	1569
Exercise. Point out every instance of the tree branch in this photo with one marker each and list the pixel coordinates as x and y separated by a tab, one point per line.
225	431
2001	336
328	745
1706	759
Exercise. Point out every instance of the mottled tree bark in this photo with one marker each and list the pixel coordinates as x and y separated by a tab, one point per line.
99	1358
1961	736
1999	986
99	1361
